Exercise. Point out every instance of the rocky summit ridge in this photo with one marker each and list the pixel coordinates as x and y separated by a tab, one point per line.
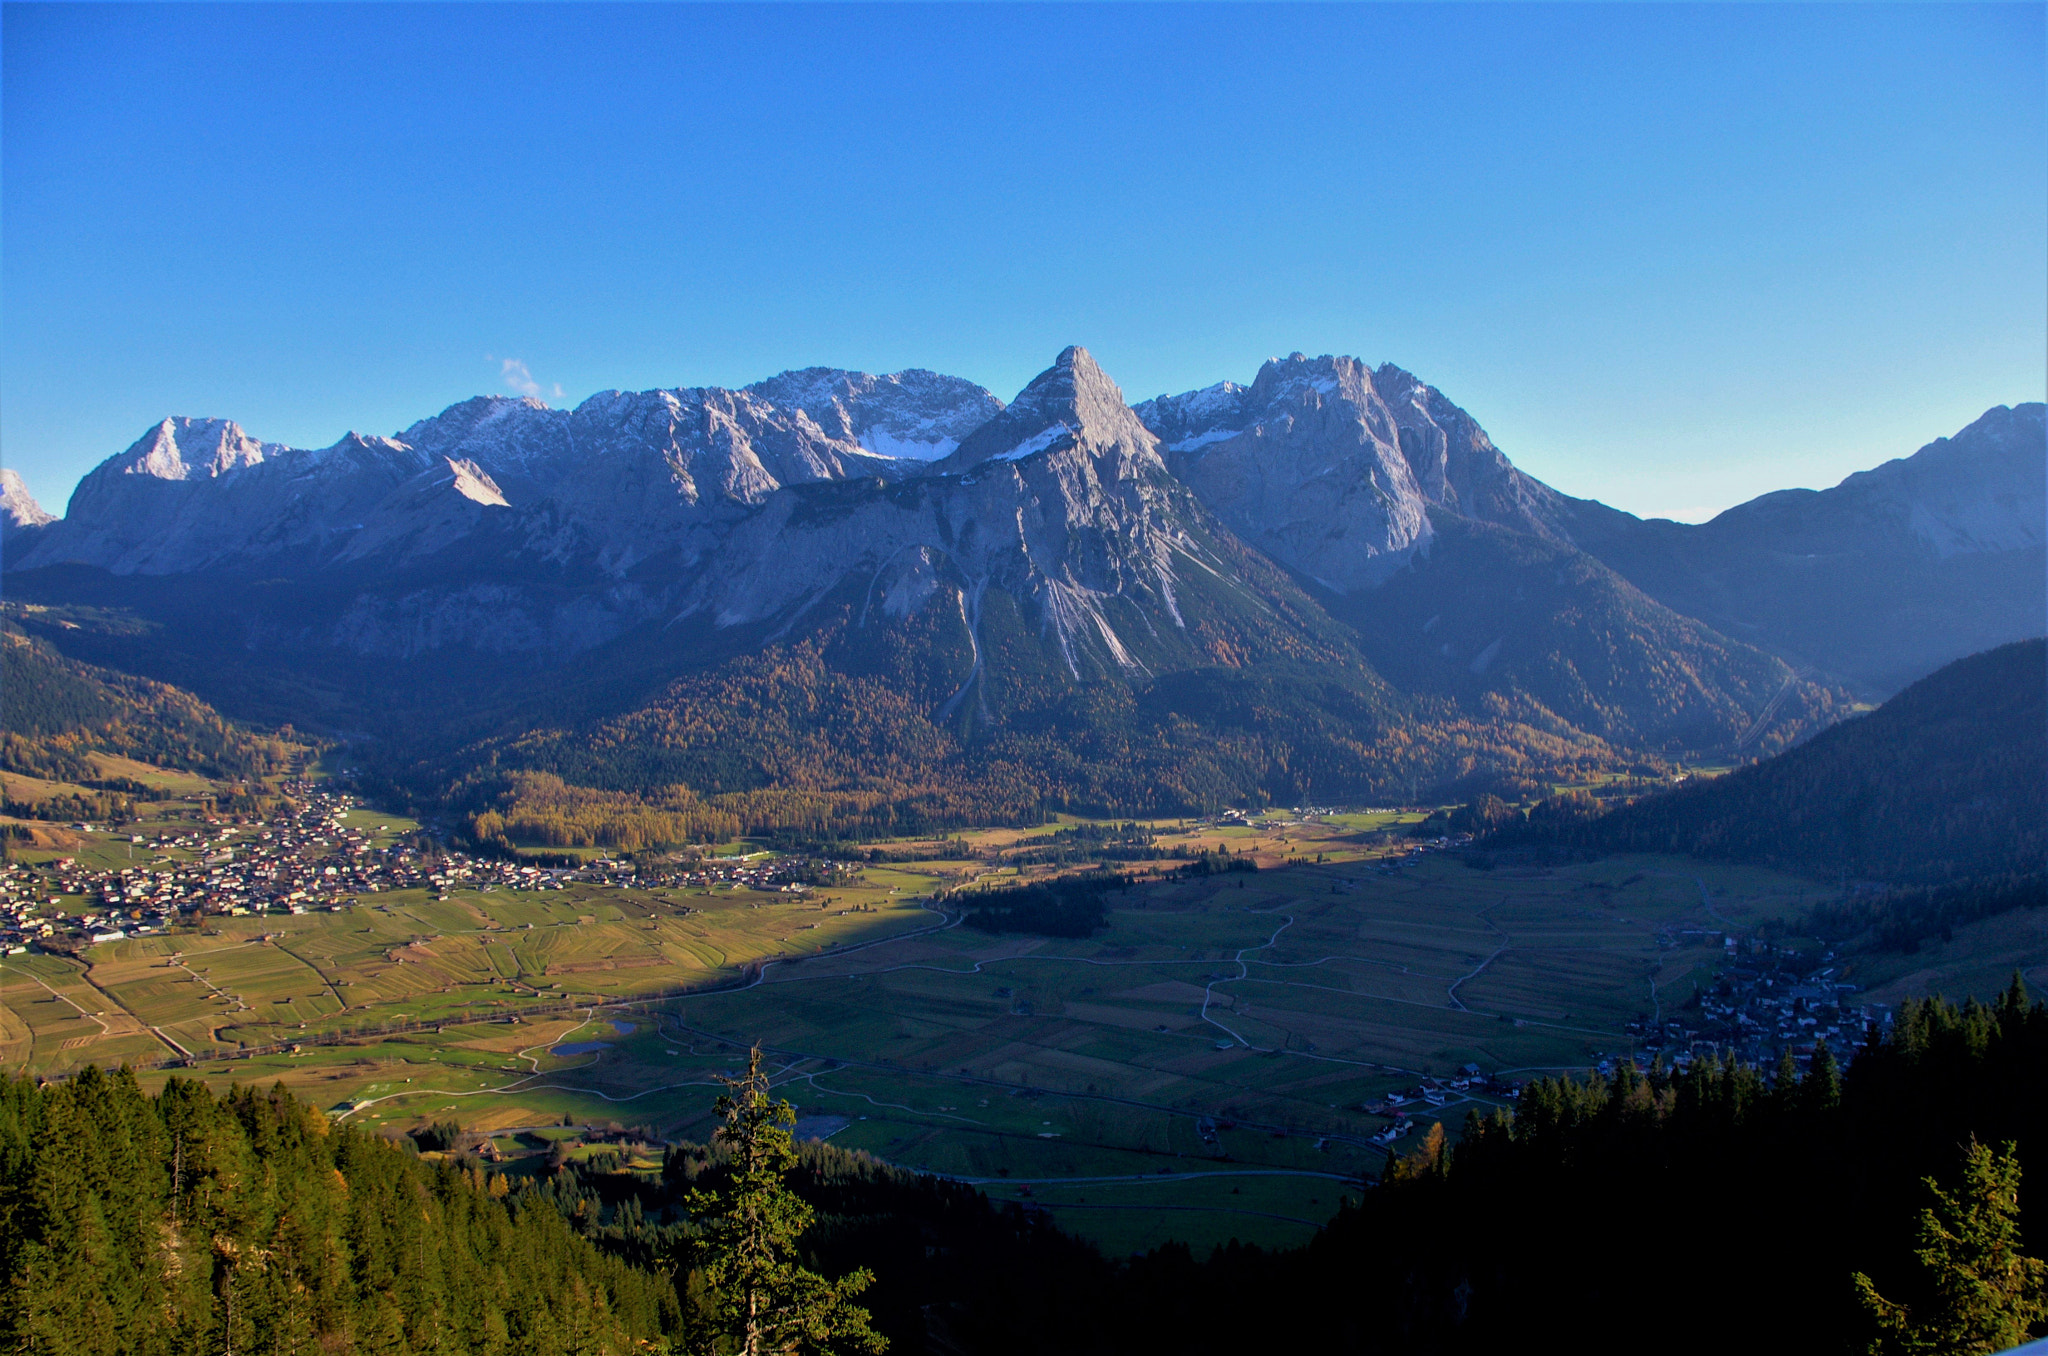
501	524
1324	464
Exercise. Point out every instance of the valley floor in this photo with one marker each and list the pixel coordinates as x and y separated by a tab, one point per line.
1216	1063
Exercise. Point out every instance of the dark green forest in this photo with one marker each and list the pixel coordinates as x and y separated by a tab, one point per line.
844	725
1720	1209
182	1223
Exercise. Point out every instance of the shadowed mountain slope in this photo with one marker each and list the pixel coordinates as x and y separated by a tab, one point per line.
1879	580
1502	620
1947	779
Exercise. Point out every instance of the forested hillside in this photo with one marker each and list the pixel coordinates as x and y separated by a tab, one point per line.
184	1224
54	710
1948	779
1513	622
824	735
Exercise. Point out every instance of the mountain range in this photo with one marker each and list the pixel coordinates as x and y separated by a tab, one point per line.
1328	582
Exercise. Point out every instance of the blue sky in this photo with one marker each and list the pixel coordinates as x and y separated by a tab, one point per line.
1670	257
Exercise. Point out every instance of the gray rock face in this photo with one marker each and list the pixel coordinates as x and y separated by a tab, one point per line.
1071	407
1061	501
194	494
1330	467
1881	579
1986	489
18	508
501	524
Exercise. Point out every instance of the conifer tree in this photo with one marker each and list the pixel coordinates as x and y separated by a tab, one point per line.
1787	1078
1822	1089
1985	1294
764	1302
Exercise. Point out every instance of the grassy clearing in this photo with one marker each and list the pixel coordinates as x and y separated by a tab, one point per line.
1978	959
29	790
410	958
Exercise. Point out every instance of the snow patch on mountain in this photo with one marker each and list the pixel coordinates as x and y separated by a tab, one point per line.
882	443
1197	441
1036	443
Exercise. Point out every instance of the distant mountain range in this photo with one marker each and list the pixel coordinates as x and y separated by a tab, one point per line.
1326	582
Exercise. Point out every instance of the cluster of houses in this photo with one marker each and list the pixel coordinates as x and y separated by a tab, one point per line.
312	856
1427	1100
1760	1005
322	853
1759	1009
760	871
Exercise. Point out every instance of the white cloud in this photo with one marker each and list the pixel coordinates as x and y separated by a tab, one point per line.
517	378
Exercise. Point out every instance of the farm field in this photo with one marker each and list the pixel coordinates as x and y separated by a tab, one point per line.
410	959
1198	1070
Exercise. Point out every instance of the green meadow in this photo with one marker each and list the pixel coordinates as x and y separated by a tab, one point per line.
1199	1070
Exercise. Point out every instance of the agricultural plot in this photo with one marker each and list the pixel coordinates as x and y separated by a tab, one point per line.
1228	1024
412	959
1199	1070
1977	959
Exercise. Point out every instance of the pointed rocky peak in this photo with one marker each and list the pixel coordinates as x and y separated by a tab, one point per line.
2005	439
351	457
1283	389
1414	401
1421	409
369	444
1074	383
191	449
1072	404
1184	423
1985	489
18	508
519	439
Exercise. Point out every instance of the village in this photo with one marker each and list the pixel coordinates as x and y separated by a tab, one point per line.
1762	1001
320	854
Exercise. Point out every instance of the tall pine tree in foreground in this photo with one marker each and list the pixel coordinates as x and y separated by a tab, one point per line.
763	1300
1984	1293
